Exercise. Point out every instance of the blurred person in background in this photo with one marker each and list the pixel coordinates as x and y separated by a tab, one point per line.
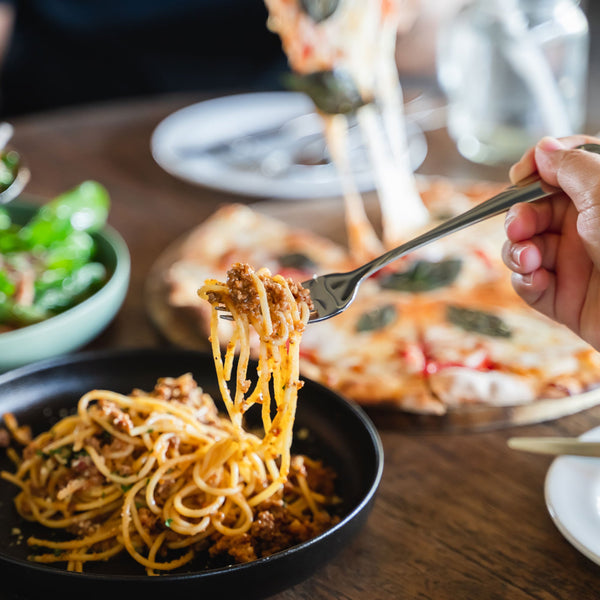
65	52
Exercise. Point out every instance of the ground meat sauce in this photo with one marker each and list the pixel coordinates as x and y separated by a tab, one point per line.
274	527
246	299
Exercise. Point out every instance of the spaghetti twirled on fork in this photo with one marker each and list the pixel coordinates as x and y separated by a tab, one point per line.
163	475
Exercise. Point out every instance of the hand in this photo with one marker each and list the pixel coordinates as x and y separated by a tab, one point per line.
553	245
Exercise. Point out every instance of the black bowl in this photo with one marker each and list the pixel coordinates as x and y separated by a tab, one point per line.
340	433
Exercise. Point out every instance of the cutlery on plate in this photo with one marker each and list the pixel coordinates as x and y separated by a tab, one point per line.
304	132
555	445
332	293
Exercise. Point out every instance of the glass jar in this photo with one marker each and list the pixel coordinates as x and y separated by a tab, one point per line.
513	71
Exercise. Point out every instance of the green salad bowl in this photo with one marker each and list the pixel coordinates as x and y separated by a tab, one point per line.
75	327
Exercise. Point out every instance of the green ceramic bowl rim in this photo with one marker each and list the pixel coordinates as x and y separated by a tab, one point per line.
119	277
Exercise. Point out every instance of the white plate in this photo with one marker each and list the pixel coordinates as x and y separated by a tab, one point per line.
572	493
194	144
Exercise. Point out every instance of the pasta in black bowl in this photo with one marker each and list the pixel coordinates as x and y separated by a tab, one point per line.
327	428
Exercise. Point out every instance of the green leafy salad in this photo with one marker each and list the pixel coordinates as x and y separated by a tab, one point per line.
49	264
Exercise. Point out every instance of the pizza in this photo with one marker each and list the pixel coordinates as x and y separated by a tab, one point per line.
438	330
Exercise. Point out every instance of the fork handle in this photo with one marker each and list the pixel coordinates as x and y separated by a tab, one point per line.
527	190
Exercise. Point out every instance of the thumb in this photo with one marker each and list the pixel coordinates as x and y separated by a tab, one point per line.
549	153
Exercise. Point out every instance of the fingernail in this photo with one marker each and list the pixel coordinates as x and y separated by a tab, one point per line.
521	280
527	278
550	144
515	254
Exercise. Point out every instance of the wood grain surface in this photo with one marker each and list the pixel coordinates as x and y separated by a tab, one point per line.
457	515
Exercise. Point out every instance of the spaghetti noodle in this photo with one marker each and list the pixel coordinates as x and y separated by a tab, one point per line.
163	475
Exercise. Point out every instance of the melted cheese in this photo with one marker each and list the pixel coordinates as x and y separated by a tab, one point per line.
360	38
456	386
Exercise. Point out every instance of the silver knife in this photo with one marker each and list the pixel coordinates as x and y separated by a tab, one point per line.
555	445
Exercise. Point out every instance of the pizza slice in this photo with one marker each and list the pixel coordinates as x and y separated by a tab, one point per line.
372	354
480	351
234	233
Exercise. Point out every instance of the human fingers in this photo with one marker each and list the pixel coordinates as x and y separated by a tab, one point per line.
530	255
521	257
528	163
579	176
577	172
536	289
525	220
524	167
550	154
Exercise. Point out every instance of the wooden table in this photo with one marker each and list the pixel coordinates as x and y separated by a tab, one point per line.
457	515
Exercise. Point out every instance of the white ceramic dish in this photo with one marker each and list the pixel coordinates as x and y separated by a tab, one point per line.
572	492
194	144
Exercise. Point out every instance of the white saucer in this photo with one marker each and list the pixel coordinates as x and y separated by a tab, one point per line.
201	144
572	492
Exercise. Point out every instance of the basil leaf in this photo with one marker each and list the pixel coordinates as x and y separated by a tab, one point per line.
478	322
333	92
319	10
423	276
297	260
376	319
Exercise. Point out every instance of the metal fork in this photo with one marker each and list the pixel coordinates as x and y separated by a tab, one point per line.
331	294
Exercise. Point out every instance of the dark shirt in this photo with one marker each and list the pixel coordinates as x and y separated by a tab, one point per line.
78	51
